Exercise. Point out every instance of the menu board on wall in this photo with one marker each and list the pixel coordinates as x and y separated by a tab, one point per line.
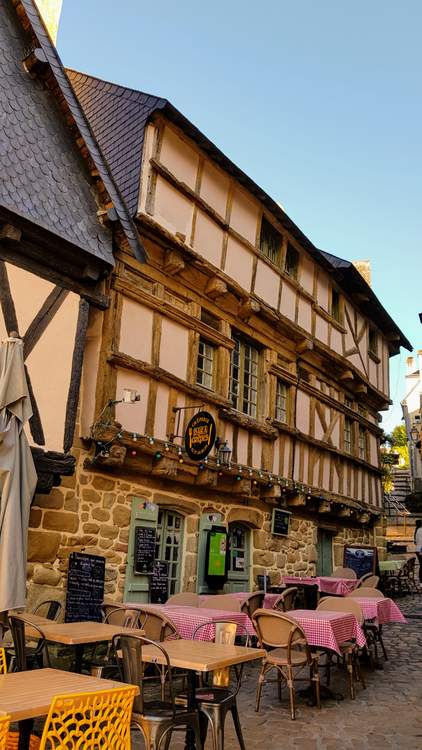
159	582
280	522
85	588
362	560
143	562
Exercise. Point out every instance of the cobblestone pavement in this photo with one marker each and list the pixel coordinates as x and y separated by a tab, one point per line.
387	715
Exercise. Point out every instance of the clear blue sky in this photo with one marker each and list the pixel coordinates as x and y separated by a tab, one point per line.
319	102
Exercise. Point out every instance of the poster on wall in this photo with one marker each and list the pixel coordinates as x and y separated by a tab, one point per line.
200	436
216	559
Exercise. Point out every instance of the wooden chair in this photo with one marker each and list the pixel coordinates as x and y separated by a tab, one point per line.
25	657
4	730
185	598
288	653
341	572
252	602
369	581
155	719
286	601
222	601
217	699
83	720
366	592
349	649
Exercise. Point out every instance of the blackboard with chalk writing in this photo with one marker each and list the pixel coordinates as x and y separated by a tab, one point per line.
85	587
159	582
144	550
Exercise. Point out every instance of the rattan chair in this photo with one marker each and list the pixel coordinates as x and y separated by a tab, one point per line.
366	592
25	657
222	601
349	649
288	653
286	601
184	598
83	720
370	582
217	699
155	719
50	609
341	572
4	730
252	602
373	631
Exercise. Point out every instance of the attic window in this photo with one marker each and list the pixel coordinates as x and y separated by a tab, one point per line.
335	305
270	241
291	264
373	342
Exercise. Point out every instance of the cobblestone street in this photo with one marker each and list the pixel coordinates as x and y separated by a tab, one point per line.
386	715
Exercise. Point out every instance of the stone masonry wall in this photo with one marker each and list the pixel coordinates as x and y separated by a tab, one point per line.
91	512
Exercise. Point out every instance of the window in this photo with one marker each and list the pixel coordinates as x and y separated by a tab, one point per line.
291	264
281	402
244	377
335	305
204	369
348	435
373	342
270	241
362	443
168	545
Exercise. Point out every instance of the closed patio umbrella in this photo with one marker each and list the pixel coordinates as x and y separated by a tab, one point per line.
18	477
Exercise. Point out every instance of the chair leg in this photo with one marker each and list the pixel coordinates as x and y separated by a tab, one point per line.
350	669
290	683
198	736
315	680
279	685
237	726
259	687
382	643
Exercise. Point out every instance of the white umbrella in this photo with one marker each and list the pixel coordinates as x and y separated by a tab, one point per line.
18	477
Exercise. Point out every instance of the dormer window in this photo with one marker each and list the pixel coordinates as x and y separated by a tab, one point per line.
270	241
291	264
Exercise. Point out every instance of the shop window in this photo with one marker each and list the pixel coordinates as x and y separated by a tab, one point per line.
270	241
244	377
205	364
168	545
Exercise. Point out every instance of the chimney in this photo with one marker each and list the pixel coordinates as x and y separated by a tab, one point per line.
49	11
364	268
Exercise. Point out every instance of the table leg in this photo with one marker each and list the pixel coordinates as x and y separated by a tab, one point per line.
190	743
25	729
79	655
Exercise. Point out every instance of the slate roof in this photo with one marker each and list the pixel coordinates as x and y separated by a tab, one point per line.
118	116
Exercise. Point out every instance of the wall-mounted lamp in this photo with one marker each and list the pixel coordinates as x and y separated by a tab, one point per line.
414	434
224	454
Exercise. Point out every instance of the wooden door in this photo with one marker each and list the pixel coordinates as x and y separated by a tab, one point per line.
144	513
325	552
239	569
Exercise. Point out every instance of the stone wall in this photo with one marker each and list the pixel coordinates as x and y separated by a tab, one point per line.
91	512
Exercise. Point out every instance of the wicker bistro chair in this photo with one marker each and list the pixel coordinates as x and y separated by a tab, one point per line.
288	653
286	600
373	631
184	598
349	649
365	591
341	572
217	699
370	582
222	601
24	657
50	609
88	720
252	602
155	719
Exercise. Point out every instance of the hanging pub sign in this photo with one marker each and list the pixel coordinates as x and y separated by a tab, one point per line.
200	436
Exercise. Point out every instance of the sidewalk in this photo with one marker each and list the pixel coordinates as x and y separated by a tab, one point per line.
385	716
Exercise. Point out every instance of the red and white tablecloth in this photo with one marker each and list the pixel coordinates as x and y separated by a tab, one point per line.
382	610
187	619
327	584
269	599
328	629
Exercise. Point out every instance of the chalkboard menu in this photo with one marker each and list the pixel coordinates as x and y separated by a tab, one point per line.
143	562
85	587
362	560
159	582
280	522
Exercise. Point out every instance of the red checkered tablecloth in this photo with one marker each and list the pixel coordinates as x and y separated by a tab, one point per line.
187	619
327	584
328	629
269	599
382	610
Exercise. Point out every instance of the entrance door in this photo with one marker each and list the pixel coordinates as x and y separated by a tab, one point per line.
168	545
325	552
239	570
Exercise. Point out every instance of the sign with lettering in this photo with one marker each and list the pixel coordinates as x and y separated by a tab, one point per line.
85	588
362	560
200	436
159	582
144	553
280	522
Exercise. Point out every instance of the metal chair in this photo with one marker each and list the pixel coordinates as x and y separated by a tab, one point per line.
286	600
23	657
217	699
288	652
349	649
156	719
100	719
252	602
368	581
53	609
222	601
341	572
184	598
106	666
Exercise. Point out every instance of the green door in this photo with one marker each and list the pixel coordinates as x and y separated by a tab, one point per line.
144	513
169	545
239	570
325	552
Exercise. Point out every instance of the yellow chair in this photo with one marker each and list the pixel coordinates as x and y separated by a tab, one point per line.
3	665
90	720
4	730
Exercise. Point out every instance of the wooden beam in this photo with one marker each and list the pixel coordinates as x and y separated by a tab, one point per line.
43	318
75	375
35	424
216	288
173	263
248	308
346	376
306	345
10	233
6	301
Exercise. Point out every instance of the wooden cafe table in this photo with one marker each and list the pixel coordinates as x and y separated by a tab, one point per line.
28	695
200	656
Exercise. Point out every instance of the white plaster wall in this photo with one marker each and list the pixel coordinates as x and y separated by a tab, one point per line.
174	348
304	318
214	188
208	240
267	283
288	300
244	215
302	414
242	447
180	158
172	209
136	330
239	263
132	416
161	408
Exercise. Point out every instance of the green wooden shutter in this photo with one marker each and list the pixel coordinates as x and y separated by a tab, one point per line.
144	513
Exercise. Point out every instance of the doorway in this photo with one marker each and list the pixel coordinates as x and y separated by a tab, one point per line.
239	565
325	552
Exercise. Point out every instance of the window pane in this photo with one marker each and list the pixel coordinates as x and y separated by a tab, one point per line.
204	368
292	261
281	402
270	241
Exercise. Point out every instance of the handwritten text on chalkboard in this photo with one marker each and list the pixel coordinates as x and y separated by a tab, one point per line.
144	554
159	582
85	588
